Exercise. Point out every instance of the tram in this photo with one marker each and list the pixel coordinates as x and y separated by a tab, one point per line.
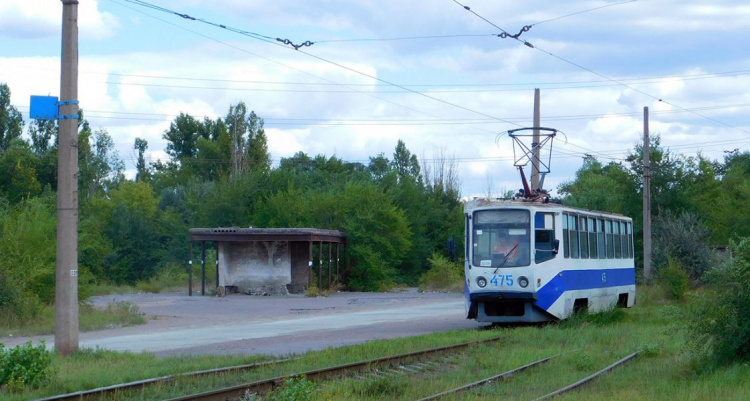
530	260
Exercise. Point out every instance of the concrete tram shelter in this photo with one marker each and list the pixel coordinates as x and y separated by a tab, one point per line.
263	261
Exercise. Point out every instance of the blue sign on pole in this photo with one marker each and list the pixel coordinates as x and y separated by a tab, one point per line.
43	107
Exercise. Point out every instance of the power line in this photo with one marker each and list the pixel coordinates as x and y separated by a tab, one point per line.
522	86
584	11
407	38
121	115
606	77
324	60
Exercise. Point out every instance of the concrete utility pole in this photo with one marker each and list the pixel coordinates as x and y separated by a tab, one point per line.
535	143
66	284
646	200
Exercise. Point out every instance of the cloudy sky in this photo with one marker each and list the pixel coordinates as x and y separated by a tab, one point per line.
428	72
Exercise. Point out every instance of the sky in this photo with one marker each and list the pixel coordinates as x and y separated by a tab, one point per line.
428	72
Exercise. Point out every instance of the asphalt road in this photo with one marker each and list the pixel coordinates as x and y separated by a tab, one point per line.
273	325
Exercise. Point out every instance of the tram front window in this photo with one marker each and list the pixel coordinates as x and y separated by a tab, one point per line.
501	238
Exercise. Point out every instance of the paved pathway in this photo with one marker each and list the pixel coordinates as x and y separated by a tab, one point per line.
272	325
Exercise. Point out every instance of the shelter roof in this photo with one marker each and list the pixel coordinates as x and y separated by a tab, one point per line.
266	234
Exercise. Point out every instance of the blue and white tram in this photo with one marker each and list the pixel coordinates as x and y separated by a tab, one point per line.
535	262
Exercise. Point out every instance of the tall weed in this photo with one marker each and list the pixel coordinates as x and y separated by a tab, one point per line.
717	320
673	280
443	275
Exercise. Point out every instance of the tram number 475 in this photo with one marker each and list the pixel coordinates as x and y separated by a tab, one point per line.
499	280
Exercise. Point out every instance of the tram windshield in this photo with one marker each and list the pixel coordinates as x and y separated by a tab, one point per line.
501	238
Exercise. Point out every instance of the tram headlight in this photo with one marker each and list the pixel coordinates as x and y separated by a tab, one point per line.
523	282
481	282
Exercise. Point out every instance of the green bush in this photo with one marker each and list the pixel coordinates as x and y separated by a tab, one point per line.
717	320
25	366
673	280
173	276
368	271
442	276
684	238
294	389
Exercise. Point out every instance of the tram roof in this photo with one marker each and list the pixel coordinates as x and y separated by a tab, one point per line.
477	203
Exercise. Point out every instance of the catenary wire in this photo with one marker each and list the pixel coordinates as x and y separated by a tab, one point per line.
583	11
381	80
604	76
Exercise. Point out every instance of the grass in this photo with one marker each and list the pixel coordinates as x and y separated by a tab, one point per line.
665	370
116	314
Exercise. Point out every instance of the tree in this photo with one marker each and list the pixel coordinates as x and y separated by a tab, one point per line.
729	210
405	163
130	223
142	173
237	127
11	120
18	175
99	166
379	166
257	144
608	188
42	133
182	137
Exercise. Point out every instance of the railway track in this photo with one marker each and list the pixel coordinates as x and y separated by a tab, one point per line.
403	364
260	386
512	372
263	386
108	391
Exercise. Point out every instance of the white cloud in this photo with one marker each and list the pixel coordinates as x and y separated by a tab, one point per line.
134	76
32	19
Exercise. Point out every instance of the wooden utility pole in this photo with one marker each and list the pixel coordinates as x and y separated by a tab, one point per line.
535	143
646	200
66	279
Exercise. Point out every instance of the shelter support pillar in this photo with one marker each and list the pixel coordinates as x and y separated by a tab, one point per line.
330	267
203	267
190	271
338	256
310	265
320	265
216	245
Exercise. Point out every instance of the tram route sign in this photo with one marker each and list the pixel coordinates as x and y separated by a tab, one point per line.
43	107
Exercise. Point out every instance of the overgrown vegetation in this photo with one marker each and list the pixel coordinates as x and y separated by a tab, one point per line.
293	389
25	366
395	211
666	369
116	314
443	275
717	321
674	280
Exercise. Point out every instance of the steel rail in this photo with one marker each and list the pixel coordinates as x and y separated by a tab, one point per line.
501	376
263	386
102	392
590	378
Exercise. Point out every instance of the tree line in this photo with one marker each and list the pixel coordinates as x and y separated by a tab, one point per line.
395	210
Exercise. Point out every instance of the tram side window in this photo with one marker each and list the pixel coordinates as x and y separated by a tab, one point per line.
573	227
618	242
630	240
466	236
601	243
544	237
566	239
610	239
592	237
584	237
624	239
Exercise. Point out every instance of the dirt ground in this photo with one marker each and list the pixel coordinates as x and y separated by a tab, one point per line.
274	325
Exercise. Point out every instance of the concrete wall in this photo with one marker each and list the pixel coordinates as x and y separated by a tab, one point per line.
257	267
